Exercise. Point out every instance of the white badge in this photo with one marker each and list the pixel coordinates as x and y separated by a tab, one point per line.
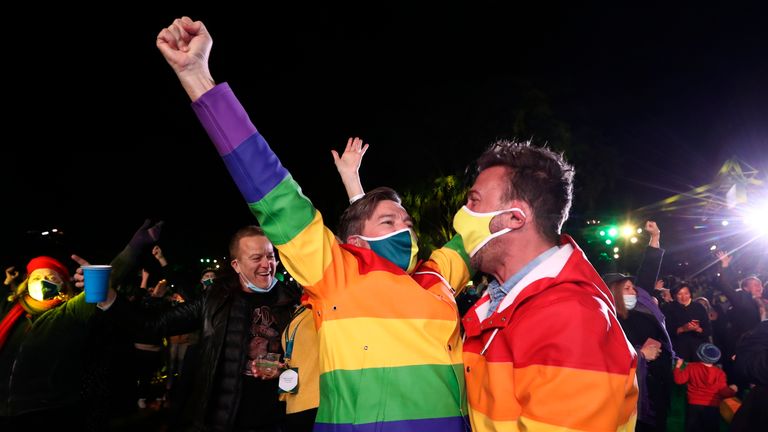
289	379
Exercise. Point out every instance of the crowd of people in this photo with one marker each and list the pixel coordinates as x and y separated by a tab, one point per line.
369	337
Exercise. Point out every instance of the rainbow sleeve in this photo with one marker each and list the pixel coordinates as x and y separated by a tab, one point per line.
287	216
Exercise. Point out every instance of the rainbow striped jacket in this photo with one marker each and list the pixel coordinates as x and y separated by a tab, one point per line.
553	355
390	346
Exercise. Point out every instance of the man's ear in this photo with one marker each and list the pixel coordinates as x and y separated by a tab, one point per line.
235	265
357	241
518	218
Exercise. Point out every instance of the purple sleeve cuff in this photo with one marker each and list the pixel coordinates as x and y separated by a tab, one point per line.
223	118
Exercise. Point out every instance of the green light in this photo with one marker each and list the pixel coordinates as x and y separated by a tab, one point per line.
613	231
608	241
602	233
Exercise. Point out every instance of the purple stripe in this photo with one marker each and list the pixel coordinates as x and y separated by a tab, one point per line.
223	118
447	424
255	168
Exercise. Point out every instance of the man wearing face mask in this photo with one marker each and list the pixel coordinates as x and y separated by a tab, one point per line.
390	346
543	348
241	317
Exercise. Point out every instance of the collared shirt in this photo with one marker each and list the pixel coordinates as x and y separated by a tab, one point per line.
498	291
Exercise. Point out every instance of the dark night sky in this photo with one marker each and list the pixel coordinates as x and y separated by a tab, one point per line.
108	134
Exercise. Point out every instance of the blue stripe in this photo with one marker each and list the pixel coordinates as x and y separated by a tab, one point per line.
448	424
255	168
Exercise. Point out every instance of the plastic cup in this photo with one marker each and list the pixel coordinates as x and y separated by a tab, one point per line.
266	364
96	282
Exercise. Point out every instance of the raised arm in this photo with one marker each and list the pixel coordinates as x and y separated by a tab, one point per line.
727	281
307	247
348	165
648	272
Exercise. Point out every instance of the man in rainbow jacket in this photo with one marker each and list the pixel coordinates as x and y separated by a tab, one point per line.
543	349
390	346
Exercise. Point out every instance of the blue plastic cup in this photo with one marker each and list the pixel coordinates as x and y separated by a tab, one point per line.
96	282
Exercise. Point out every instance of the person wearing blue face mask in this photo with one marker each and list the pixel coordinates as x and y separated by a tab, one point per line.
240	316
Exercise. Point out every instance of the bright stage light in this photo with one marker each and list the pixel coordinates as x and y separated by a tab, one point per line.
724	223
713	247
633	239
627	230
757	219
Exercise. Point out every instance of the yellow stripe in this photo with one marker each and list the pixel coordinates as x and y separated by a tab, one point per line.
361	343
451	266
308	255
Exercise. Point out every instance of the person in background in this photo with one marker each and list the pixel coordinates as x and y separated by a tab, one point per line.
44	336
687	323
643	322
751	367
706	386
240	317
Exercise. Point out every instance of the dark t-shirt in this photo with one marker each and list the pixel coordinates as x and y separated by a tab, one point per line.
259	403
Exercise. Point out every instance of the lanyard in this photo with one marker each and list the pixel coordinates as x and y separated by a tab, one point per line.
289	342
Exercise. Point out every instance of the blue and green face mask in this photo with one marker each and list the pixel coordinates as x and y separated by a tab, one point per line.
399	247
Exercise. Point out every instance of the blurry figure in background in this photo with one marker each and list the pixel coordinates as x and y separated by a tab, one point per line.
11	278
150	348
643	322
472	294
182	345
751	366
687	323
744	310
707	386
44	342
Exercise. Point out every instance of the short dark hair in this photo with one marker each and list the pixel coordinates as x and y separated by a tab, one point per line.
537	176
247	231
353	218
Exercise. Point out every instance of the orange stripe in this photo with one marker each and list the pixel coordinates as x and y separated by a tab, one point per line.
382	294
567	397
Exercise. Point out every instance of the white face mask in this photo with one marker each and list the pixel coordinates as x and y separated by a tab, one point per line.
630	301
251	286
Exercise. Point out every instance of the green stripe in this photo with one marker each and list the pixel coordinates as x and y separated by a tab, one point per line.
457	244
391	394
284	212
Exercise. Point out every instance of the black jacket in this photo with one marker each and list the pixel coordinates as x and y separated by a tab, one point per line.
210	406
744	313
